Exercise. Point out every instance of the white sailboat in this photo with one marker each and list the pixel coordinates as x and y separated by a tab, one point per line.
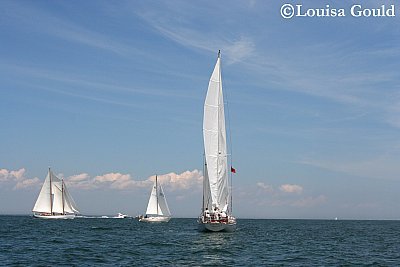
216	212
157	208
54	200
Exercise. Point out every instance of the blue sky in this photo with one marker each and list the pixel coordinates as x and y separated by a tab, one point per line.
110	93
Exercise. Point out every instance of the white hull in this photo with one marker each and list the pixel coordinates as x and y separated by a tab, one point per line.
217	227
67	216
121	216
155	219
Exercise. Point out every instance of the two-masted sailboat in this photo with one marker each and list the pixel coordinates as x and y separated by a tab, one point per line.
216	212
54	200
157	208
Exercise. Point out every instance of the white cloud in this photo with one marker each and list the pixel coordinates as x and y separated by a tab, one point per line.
6	175
185	180
119	181
265	187
112	180
3	175
26	183
79	177
18	177
291	188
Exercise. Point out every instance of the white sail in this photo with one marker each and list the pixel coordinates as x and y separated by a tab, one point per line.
214	134
152	206
54	197
157	202
162	202
43	202
57	192
70	206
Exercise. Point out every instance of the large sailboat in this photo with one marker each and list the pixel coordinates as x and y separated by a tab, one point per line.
54	200
216	214
157	208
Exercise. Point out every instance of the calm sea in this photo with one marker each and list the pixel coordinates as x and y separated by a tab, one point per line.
34	242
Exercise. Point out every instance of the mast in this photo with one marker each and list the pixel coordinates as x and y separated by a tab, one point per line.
218	119
51	194
157	193
62	194
204	173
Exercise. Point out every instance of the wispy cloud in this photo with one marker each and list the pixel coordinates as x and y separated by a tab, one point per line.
285	188
43	21
235	48
291	188
87	88
340	71
265	187
380	166
285	195
289	195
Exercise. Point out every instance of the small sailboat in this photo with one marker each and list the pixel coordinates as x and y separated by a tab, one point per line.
216	214
157	208
54	200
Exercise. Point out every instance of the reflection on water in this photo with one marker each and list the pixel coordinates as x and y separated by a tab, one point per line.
213	248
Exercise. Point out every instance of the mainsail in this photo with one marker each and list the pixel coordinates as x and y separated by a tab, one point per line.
214	133
157	203
54	197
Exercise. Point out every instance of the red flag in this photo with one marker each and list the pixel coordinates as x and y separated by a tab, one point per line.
233	170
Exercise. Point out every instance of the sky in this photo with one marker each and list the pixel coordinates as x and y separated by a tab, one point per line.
110	93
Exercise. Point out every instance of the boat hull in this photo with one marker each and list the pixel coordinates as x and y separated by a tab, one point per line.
54	217
217	227
155	219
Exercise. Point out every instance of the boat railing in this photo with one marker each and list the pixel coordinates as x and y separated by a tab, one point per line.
216	218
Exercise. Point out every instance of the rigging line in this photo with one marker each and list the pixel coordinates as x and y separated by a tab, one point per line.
230	145
51	194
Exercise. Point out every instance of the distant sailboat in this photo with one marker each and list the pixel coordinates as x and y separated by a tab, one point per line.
157	208
54	200
216	211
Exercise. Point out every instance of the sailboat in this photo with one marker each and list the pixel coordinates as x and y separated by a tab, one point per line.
54	200
216	214
157	208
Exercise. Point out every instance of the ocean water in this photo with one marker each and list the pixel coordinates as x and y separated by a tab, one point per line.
25	241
